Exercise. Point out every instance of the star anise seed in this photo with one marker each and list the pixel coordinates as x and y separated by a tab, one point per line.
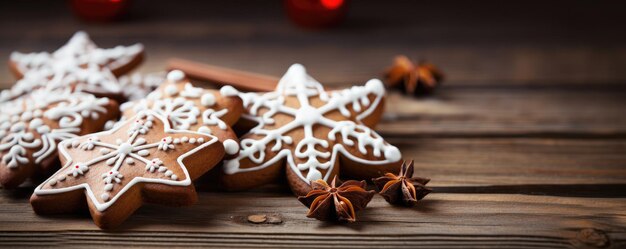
413	78
332	203
402	189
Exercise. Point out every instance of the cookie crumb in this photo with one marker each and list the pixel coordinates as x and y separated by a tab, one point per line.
257	218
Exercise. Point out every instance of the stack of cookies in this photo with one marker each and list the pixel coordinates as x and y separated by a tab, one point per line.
115	145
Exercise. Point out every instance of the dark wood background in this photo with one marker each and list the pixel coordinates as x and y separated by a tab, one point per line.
525	142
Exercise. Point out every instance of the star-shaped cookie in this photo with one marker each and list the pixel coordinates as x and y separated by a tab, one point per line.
79	65
142	160
192	108
31	127
315	133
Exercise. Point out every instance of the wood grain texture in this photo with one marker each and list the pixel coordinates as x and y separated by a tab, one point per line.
443	220
527	163
508	111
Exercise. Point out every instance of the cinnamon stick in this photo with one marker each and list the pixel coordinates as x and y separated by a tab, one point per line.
224	76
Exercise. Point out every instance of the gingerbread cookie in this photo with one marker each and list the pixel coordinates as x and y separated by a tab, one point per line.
192	108
31	127
142	160
315	133
79	64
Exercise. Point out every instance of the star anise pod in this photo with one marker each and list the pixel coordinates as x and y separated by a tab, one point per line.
413	78
332	203
402	189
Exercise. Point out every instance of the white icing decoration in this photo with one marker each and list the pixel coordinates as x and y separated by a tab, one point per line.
318	152
207	99
79	63
212	117
228	91
183	113
138	86
121	151
182	109
205	130
191	92
175	75
171	90
166	144
231	146
22	127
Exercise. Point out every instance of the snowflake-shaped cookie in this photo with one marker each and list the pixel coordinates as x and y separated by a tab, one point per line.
192	108
311	130
141	160
79	65
31	127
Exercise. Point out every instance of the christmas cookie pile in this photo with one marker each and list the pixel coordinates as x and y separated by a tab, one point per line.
60	95
117	141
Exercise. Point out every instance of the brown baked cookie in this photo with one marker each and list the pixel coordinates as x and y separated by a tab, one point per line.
115	171
192	108
31	127
79	64
315	133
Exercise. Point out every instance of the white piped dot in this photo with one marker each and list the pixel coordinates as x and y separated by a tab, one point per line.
228	91
175	75
207	100
231	146
105	197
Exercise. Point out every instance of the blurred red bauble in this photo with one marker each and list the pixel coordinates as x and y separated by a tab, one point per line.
316	14
99	10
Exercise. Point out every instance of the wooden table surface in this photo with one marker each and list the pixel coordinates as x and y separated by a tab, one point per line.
525	142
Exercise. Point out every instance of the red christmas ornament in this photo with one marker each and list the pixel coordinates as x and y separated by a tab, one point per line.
100	10
316	14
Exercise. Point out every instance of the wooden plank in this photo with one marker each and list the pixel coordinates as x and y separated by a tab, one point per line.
575	167
442	220
490	45
506	111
